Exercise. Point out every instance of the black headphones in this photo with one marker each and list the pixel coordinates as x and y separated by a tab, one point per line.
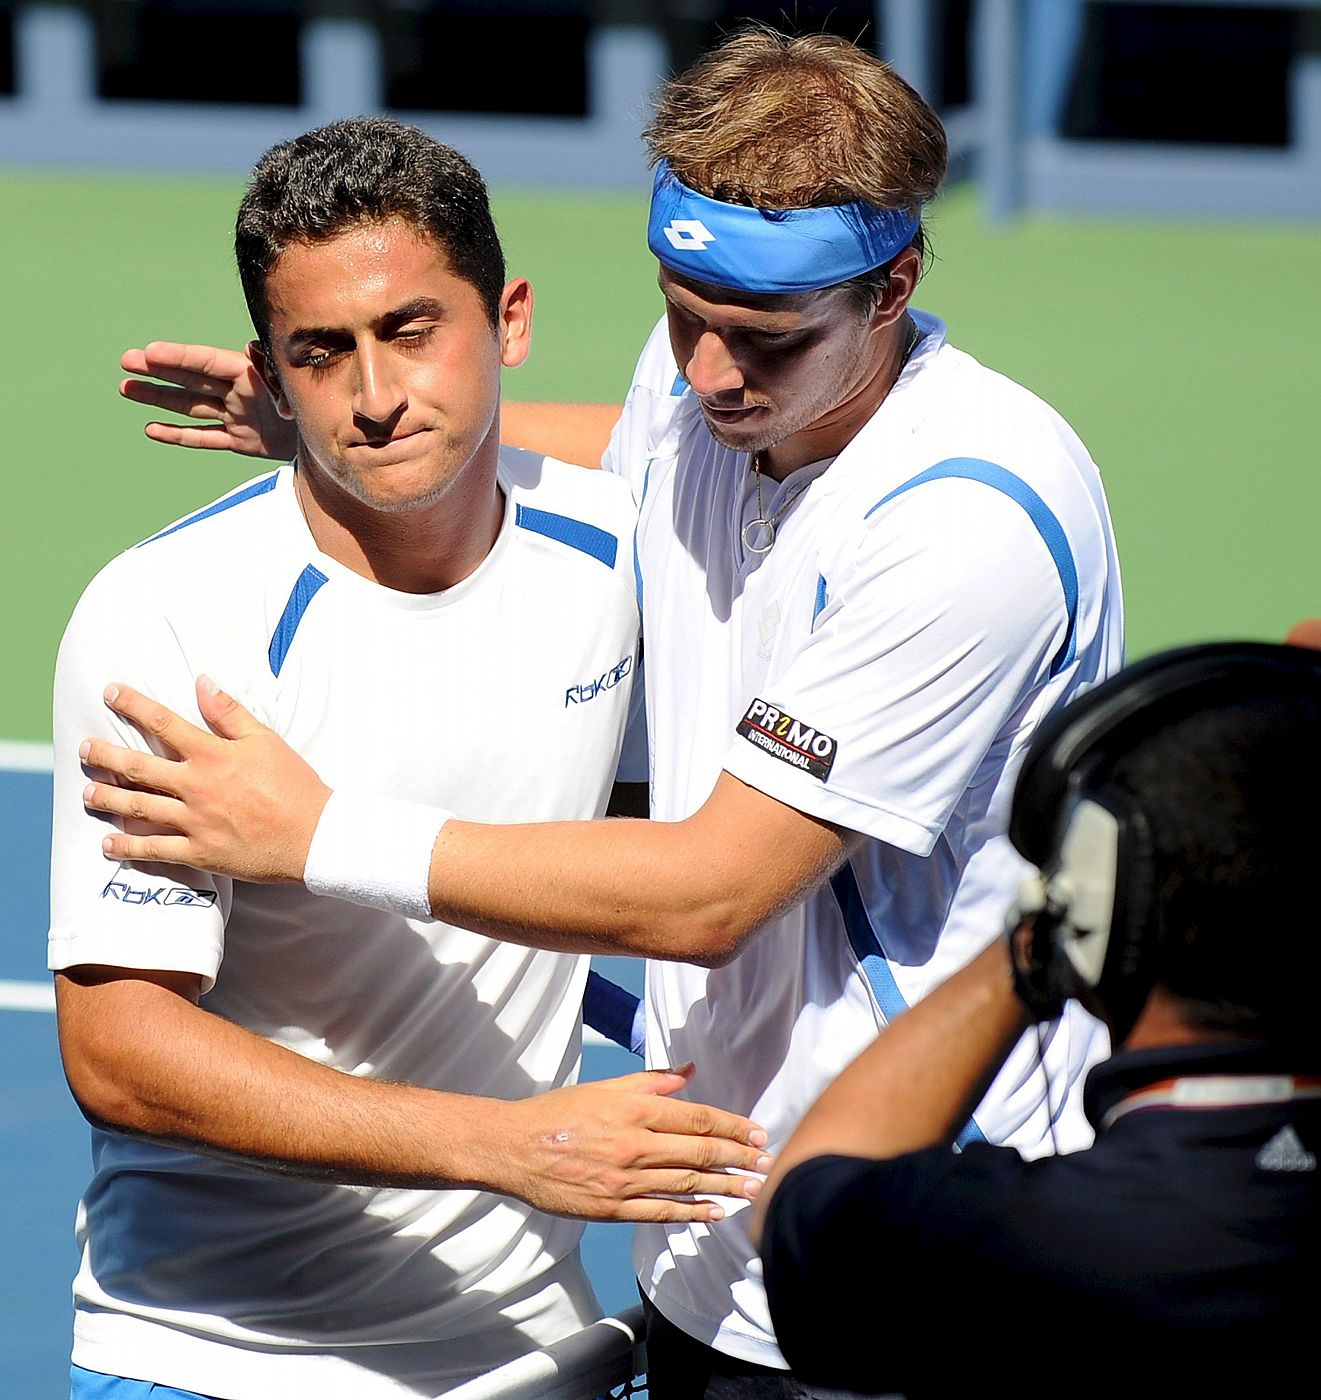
1094	918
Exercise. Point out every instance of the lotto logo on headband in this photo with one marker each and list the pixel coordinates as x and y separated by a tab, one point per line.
688	235
788	739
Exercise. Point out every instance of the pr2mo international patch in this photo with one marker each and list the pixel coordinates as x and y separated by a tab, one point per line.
788	739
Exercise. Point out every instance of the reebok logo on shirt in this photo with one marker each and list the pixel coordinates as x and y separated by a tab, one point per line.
607	680
159	894
789	740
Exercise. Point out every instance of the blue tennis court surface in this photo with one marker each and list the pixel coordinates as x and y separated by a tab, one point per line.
44	1154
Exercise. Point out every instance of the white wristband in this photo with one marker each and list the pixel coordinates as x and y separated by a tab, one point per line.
375	851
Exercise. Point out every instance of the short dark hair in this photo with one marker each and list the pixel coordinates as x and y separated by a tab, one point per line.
364	171
1230	797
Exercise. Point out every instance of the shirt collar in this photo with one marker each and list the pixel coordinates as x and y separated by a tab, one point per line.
1128	1071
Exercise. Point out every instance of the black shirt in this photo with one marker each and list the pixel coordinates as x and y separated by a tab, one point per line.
1180	1254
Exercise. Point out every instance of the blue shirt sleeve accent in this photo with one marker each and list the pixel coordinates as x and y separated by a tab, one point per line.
970	1133
637	1034
1038	512
577	534
637	562
256	488
871	957
865	944
302	593
679	387
822	598
616	1013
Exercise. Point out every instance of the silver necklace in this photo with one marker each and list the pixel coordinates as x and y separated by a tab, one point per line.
759	534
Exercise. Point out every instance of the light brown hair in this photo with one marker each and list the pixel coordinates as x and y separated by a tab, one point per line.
780	122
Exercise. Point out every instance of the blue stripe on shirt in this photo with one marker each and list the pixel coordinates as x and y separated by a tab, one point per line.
304	590
577	534
256	488
875	966
637	561
822	598
1038	512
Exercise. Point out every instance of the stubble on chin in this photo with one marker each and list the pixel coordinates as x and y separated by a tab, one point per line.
374	490
743	441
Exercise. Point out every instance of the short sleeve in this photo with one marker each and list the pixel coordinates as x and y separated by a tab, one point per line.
121	915
927	635
648	411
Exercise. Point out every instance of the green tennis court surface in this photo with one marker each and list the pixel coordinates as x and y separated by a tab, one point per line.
1184	354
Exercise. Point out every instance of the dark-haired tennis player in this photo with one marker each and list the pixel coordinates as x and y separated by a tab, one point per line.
304	1109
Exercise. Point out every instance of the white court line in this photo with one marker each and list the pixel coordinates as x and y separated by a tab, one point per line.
26	996
26	758
40	996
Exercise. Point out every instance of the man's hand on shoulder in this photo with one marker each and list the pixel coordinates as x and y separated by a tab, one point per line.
241	800
623	1149
220	388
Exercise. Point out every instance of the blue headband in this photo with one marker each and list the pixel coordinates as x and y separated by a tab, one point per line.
771	251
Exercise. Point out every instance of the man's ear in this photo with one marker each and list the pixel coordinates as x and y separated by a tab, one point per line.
905	270
265	367
515	326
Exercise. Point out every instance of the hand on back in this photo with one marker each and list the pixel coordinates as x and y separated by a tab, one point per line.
623	1149
220	388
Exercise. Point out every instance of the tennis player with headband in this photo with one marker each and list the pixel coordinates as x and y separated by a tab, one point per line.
867	568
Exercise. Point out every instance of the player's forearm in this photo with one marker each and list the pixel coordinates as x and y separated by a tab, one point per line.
184	1077
573	432
920	1079
630	887
144	1059
692	891
241	802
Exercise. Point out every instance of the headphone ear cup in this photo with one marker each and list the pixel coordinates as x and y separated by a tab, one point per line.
1065	779
1101	890
1129	970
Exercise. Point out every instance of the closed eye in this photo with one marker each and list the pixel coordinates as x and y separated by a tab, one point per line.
318	358
414	336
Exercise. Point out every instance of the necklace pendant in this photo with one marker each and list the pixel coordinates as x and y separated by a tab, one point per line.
759	535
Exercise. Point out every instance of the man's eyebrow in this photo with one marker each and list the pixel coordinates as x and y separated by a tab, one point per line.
418	308
316	335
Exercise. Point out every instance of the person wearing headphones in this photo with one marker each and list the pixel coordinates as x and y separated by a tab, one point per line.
1170	813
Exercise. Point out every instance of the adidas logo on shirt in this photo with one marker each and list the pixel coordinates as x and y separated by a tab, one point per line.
1286	1153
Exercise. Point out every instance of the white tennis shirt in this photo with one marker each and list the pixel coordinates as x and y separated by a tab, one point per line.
503	697
933	591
